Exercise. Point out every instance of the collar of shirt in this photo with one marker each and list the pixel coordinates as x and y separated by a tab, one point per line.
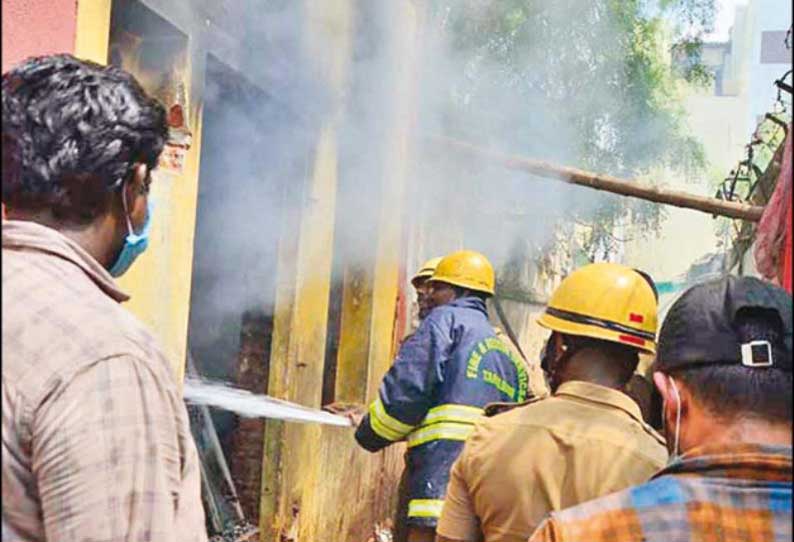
742	460
469	302
27	235
595	393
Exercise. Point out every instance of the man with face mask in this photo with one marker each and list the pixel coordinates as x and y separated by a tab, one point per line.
724	370
586	440
96	439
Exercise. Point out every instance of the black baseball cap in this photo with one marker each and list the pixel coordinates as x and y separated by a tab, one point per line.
701	326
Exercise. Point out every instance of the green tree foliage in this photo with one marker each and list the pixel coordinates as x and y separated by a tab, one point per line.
587	83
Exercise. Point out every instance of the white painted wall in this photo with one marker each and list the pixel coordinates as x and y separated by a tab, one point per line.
764	15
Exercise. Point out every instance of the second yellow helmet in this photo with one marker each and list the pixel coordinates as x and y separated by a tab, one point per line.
427	270
467	269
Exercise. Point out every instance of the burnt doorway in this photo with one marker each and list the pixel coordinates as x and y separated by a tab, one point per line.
243	185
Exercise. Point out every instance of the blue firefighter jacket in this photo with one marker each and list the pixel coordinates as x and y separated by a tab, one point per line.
443	376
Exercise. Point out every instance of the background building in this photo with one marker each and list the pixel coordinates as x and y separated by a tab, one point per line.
723	116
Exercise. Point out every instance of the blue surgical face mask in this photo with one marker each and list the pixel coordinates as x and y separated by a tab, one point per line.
135	243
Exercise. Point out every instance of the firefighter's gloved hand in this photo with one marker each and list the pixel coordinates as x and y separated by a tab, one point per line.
352	411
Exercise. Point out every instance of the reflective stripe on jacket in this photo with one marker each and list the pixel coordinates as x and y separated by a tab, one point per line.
442	378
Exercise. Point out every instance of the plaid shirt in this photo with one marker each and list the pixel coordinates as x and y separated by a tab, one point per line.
96	440
737	493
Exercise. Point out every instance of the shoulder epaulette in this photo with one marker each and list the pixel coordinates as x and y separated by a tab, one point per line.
492	409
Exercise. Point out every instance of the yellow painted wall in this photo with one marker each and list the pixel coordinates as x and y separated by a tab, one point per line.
401	122
301	311
309	471
369	301
352	368
93	30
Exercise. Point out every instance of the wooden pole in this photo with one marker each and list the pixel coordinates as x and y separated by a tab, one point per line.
625	187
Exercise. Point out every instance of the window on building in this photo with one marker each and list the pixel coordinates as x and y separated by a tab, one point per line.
773	48
718	74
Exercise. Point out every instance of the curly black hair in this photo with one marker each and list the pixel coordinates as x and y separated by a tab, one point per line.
75	129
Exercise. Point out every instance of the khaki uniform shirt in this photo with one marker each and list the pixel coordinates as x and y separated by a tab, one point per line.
96	440
583	442
537	380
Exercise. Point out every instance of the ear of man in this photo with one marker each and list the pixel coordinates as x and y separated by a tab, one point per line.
136	191
685	399
662	384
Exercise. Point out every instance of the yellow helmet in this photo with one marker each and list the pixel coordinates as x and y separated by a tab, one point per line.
467	269
426	271
605	301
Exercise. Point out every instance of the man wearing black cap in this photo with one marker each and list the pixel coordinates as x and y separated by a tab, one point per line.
724	370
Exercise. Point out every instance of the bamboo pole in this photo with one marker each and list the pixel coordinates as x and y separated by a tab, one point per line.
625	187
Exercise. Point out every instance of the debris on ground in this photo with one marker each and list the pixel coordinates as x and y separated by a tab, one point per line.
240	532
382	532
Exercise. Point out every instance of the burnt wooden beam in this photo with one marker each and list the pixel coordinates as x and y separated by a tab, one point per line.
608	183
